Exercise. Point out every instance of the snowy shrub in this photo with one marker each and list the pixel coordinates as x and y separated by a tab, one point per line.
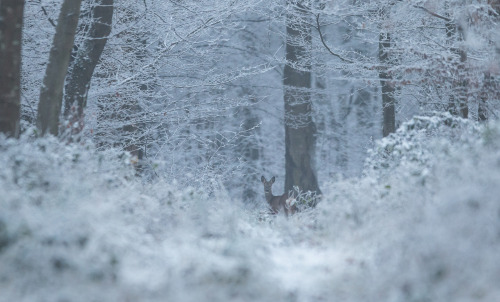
419	142
423	224
53	201
76	226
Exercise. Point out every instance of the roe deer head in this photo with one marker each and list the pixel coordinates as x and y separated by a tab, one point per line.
276	203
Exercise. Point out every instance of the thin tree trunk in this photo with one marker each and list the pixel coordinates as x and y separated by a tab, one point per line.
342	144
457	104
388	101
78	80
51	93
489	91
482	110
11	23
300	129
249	149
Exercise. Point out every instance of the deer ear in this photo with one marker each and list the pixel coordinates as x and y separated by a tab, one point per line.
262	179
273	179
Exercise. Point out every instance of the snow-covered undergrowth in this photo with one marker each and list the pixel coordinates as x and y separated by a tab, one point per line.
422	224
75	226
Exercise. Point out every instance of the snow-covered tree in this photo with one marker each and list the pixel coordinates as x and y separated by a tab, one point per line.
11	23
51	92
300	130
96	26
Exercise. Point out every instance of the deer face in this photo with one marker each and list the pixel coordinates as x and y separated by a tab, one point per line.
267	184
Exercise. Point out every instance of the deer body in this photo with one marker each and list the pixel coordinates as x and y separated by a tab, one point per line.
277	203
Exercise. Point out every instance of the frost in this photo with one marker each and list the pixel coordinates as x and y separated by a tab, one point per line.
422	224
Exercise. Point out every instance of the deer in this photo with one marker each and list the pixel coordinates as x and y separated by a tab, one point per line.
276	203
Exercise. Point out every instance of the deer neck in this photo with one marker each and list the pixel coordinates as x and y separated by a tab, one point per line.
269	195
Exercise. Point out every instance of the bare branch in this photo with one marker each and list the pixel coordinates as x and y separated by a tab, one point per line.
47	15
433	13
326	46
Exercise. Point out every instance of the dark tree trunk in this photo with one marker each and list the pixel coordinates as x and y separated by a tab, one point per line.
388	89
300	129
342	142
490	89
51	93
457	104
482	110
11	23
458	100
88	55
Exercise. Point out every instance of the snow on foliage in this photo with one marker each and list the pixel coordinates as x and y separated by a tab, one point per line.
422	224
75	226
418	141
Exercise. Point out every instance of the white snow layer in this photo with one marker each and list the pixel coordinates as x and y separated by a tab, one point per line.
422	224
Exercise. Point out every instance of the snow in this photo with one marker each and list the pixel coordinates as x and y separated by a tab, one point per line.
422	224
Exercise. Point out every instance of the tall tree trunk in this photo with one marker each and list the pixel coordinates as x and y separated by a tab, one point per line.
489	91
482	109
300	129
249	149
78	80
345	102
388	89
11	23
51	93
457	104
458	101
387	86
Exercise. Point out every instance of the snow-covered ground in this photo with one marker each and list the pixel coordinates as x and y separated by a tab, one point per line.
422	224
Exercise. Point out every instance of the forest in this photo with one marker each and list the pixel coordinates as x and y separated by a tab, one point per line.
265	150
